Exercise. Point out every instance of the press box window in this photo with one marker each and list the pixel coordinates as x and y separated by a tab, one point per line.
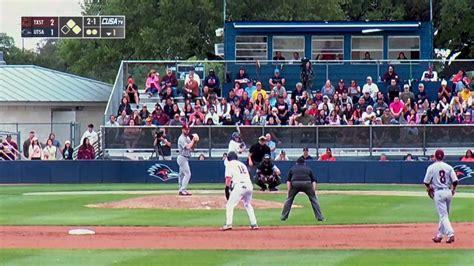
251	48
409	45
327	48
363	44
287	45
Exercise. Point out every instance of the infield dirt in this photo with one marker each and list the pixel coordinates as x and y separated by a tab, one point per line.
390	236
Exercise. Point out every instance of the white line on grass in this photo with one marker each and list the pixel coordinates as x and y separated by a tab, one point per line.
204	192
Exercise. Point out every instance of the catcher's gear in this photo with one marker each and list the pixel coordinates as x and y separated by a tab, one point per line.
232	156
227	192
195	137
430	192
272	180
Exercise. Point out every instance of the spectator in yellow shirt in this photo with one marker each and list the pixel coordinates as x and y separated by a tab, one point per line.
258	91
466	97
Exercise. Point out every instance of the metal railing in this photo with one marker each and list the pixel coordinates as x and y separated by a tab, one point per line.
63	131
116	94
372	139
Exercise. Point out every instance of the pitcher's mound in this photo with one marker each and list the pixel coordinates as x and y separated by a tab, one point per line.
206	202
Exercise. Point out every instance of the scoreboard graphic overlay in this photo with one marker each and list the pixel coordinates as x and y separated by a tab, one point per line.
86	27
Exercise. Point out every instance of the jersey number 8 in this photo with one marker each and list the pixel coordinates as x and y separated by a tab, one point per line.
442	176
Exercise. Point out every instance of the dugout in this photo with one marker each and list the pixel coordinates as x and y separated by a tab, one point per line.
337	49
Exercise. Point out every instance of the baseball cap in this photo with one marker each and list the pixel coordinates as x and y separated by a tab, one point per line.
277	70
421	85
305	149
326	97
259	83
341	81
369	78
266	156
67	142
185	126
262	138
439	155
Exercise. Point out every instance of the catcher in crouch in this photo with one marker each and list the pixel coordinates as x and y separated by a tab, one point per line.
268	173
238	187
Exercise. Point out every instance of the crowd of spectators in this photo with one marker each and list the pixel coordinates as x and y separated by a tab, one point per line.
274	102
50	149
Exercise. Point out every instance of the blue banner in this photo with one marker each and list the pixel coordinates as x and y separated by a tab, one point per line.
212	171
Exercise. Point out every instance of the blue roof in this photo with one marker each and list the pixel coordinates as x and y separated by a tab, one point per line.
28	83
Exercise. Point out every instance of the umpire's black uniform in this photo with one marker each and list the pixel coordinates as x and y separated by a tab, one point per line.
301	178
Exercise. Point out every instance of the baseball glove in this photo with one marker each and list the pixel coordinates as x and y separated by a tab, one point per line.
195	137
430	192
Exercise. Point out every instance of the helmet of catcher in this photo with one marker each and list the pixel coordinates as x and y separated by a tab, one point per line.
236	136
439	155
232	156
267	157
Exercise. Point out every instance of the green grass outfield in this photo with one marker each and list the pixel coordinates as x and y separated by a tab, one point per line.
19	209
227	257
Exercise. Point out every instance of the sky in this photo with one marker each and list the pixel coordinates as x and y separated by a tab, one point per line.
11	12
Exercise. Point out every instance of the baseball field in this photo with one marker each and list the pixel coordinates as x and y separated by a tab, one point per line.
148	224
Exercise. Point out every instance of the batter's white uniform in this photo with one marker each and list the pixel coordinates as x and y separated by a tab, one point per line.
441	177
235	147
241	190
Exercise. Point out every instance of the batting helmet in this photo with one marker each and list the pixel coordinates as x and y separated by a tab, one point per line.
236	136
232	156
439	155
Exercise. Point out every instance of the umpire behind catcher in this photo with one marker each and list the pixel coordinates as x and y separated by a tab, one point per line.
256	153
301	179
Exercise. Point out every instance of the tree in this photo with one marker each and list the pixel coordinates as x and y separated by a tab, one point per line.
250	10
162	29
455	23
374	9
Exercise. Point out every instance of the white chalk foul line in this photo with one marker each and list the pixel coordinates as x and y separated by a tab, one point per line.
205	192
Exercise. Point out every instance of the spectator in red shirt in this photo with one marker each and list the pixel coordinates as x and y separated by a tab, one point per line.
313	111
469	157
170	80
197	115
396	108
86	151
159	117
327	156
390	74
444	90
191	89
10	149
